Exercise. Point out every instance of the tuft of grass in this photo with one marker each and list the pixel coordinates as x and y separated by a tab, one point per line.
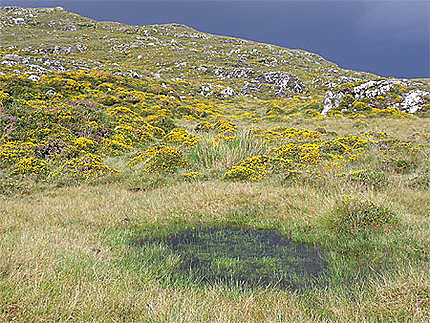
209	154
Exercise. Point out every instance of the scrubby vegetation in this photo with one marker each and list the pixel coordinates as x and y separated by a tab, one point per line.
81	131
128	198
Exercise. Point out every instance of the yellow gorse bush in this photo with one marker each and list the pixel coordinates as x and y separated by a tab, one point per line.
192	176
13	151
252	169
3	97
160	158
89	166
29	165
392	112
181	136
83	143
225	126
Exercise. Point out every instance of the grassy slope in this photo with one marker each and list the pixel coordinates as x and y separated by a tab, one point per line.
67	253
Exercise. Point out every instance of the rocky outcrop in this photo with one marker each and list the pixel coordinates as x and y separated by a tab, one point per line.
283	83
234	73
402	94
415	101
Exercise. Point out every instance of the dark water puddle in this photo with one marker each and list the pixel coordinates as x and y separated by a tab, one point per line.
243	257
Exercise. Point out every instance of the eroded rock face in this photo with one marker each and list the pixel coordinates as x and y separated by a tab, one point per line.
395	92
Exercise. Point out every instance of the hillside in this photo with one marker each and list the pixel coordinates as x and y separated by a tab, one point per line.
161	174
109	88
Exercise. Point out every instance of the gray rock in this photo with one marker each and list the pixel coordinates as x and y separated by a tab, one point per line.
34	78
284	82
226	73
134	74
15	57
227	92
55	65
64	50
69	27
202	68
331	100
374	89
18	21
206	90
250	88
414	100
8	63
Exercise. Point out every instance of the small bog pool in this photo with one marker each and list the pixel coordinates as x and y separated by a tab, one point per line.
242	257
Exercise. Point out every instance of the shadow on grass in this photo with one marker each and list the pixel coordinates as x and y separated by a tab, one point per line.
241	257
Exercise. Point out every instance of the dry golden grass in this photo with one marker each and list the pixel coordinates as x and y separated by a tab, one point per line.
61	257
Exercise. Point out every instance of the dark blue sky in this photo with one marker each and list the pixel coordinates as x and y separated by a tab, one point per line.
389	38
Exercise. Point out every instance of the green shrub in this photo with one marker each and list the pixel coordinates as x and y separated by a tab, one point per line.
352	215
346	101
373	178
421	180
401	165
